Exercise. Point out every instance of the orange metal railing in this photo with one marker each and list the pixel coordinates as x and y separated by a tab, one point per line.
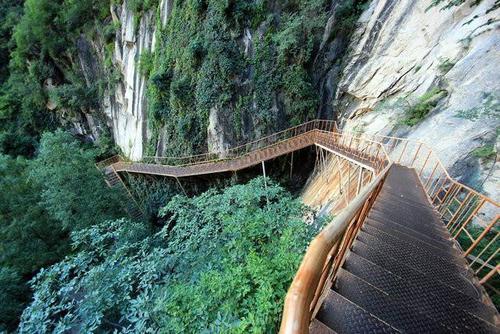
321	133
326	253
471	217
461	208
323	258
240	150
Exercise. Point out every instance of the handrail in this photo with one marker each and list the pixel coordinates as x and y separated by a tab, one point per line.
471	217
426	146
311	278
326	125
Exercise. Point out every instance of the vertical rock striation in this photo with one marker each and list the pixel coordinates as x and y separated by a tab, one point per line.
126	106
403	49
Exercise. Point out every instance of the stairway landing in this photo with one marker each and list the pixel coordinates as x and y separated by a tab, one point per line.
404	272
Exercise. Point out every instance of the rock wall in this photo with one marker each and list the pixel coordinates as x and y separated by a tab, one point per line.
403	49
126	105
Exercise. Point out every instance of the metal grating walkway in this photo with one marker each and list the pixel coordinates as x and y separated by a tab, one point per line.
404	273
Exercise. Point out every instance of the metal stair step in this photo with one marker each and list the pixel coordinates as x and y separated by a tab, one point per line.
431	222
446	273
416	298
418	248
388	196
420	227
401	205
458	290
343	316
388	225
384	307
317	327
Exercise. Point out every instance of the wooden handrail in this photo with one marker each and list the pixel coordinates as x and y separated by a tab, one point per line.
297	310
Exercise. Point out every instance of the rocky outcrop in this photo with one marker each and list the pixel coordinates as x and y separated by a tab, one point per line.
126	106
403	49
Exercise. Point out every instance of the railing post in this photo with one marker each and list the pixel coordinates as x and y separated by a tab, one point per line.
416	154
447	195
490	274
360	176
430	177
481	236
468	209
478	256
404	149
425	163
438	188
451	223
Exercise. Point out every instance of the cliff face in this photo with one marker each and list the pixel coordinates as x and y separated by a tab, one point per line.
400	52
245	116
126	105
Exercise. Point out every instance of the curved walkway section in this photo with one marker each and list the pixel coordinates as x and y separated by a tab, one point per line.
365	153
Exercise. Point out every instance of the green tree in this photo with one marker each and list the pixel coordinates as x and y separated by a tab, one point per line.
13	292
72	189
29	238
228	256
41	201
42	46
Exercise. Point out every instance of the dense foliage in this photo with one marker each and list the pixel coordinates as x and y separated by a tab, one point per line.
226	258
223	258
202	65
41	202
42	52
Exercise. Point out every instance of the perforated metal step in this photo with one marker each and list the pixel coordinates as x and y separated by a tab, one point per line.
443	243
416	223
317	327
469	300
444	274
343	316
417	299
419	249
384	307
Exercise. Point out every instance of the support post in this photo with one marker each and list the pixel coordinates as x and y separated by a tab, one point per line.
360	176
265	181
179	182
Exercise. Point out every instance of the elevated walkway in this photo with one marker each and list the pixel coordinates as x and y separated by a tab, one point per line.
410	249
236	161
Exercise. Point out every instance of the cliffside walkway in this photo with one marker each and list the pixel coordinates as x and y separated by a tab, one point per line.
320	133
412	249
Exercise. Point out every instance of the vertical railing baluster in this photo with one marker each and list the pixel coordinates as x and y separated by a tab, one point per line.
481	236
425	163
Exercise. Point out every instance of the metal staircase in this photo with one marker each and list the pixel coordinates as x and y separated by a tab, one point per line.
114	181
403	272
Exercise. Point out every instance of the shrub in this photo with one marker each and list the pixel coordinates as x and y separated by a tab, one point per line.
224	258
445	66
145	63
417	112
13	294
486	152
